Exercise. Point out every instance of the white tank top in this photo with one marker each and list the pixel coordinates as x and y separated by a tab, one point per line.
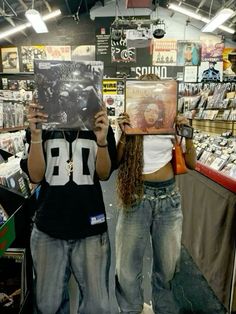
157	152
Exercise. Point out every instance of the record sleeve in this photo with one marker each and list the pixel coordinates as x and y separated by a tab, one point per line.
218	163
3	215
70	92
232	115
151	106
13	280
17	182
225	114
204	156
210	159
230	170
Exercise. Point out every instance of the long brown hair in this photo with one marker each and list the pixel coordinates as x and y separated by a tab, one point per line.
129	178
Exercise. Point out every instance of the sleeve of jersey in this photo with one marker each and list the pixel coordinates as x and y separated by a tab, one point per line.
112	149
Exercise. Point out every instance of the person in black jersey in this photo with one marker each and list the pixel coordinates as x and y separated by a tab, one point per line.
70	229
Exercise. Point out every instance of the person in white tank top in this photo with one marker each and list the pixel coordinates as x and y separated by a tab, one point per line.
150	209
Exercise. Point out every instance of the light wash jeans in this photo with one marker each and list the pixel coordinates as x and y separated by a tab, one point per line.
159	217
54	260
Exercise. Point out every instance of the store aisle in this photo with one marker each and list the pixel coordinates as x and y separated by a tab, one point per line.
191	290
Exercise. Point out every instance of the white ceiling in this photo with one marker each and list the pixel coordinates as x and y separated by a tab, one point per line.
102	8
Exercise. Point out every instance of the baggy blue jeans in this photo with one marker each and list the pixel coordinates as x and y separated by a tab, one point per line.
158	217
54	260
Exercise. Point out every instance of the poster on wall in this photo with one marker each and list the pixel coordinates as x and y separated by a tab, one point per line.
113	98
211	71
58	52
139	38
188	52
164	72
164	52
190	73
229	64
103	41
151	106
83	53
103	46
212	48
70	92
29	53
119	50
10	60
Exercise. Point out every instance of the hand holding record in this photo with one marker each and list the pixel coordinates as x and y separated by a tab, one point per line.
36	117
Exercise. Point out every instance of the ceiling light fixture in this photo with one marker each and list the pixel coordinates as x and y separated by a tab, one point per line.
36	20
196	16
20	28
219	19
159	29
184	11
50	15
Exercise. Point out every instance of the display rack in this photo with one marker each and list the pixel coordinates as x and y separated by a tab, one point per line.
15	233
205	104
224	180
17	128
214	126
12	229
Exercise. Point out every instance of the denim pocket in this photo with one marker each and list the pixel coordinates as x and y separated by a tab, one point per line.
170	202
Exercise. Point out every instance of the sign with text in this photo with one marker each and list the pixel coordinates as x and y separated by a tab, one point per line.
164	72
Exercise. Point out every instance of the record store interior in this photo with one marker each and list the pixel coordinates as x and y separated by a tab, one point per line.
189	45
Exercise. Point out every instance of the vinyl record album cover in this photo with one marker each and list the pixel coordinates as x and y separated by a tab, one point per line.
3	215
18	183
13	280
230	170
10	60
70	92
31	53
151	106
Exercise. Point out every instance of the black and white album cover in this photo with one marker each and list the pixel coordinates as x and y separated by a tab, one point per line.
70	92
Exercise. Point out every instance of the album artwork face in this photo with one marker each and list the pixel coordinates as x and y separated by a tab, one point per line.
151	106
10	60
70	92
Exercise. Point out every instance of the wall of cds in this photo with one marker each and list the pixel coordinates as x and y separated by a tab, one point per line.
208	101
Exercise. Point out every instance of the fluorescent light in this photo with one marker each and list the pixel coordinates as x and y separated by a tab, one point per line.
184	11
35	19
14	30
199	17
20	28
218	20
51	15
227	29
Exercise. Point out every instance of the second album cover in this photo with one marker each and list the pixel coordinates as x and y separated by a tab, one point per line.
151	105
70	92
